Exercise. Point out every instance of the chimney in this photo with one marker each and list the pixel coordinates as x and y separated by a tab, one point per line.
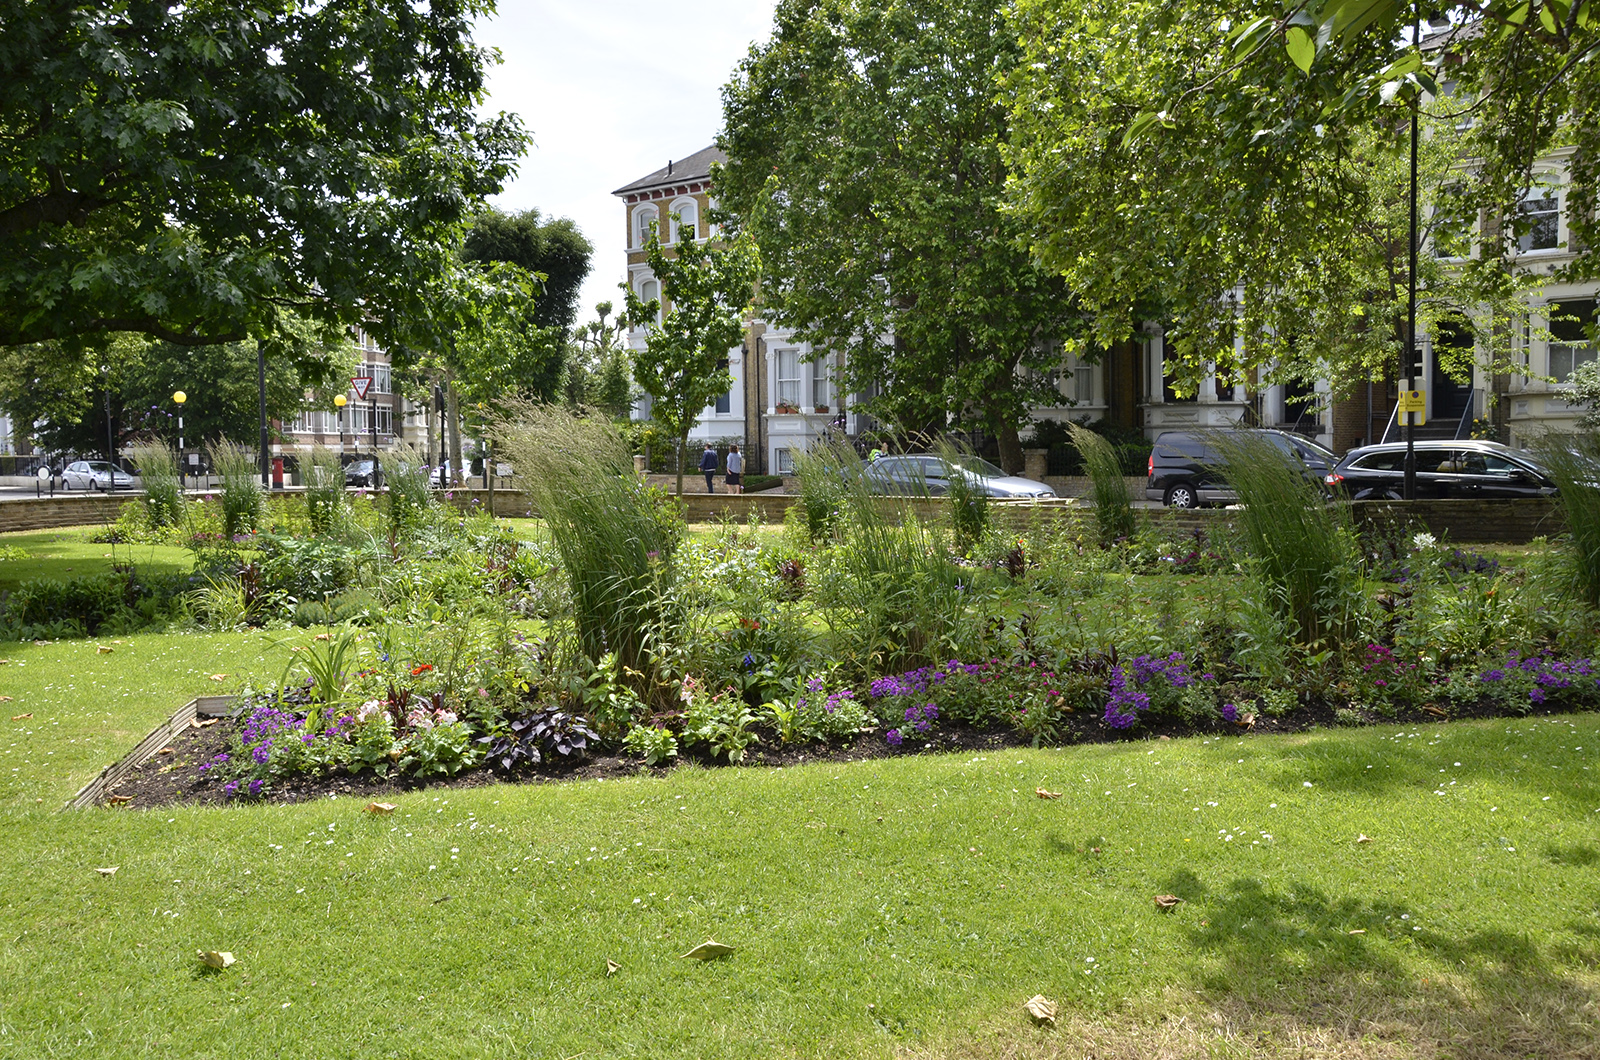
669	167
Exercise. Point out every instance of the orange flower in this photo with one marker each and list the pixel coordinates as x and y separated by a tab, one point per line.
424	668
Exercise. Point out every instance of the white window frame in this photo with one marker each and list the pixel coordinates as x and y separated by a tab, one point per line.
786	387
783	461
822	381
1540	193
643	215
679	206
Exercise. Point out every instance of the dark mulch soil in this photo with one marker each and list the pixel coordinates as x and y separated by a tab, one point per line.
173	775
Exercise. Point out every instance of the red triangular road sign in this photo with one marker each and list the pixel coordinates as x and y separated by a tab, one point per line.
361	384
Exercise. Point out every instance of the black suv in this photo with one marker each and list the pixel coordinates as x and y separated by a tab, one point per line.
1187	469
1445	468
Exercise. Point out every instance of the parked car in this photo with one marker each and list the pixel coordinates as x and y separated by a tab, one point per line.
1188	469
917	473
361	473
1445	468
95	475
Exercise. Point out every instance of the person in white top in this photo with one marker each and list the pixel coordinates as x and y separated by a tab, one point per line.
735	470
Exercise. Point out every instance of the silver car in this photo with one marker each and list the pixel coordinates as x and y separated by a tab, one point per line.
95	475
919	473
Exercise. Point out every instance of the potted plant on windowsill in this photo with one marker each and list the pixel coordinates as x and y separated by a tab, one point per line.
786	408
819	409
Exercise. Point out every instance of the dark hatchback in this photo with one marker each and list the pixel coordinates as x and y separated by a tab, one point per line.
1464	468
1188	468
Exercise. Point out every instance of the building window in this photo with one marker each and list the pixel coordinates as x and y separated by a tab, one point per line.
1454	222
650	291
382	382
1571	341
821	384
783	461
724	403
643	218
1538	224
788	388
1083	384
685	219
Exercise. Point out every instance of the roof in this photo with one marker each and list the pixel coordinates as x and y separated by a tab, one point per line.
696	167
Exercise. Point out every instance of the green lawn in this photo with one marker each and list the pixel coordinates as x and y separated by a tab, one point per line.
67	554
903	907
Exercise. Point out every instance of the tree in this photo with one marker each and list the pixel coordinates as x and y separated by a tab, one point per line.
708	289
598	374
1254	208
865	154
195	171
552	249
69	394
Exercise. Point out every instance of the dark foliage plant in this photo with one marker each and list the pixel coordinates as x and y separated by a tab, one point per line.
559	734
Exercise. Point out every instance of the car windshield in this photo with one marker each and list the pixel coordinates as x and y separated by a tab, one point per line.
978	466
1326	454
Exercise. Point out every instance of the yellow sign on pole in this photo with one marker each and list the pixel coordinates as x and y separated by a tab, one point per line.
1414	402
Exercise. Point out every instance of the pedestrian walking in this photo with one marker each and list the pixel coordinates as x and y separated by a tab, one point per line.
735	470
708	465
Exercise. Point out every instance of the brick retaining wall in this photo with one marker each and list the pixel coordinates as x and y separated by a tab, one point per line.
1468	522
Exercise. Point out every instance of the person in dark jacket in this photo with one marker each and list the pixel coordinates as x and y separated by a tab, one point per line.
708	465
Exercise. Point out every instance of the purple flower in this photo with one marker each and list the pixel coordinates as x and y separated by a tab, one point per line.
930	712
231	788
256	786
893	737
1230	712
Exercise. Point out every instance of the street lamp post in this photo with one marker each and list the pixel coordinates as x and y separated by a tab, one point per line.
178	398
339	402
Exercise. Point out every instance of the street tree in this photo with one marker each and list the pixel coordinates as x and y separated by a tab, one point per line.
1171	161
707	290
865	153
196	171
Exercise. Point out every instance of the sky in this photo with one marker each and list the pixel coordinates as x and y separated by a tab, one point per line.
611	90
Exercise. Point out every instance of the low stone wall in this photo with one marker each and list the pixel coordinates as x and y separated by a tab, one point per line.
47	513
1467	522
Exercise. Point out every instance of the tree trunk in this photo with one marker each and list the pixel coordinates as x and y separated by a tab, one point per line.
1011	458
683	442
453	412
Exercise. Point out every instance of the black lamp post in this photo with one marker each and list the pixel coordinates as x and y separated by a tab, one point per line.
178	398
339	402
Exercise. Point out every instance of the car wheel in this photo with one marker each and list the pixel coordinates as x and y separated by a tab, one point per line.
1181	496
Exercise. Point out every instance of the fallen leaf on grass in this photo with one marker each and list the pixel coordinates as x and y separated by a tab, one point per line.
380	807
1247	720
1043	794
1168	901
611	967
19	717
42	643
219	677
5	662
215	958
1362	839
323	636
103	649
1041	1008
5	699
1357	931
112	871
709	950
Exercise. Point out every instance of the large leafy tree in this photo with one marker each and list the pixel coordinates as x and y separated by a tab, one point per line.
1171	155
874	132
708	289
122	389
194	171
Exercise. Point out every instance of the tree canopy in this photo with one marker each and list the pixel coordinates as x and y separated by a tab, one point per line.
874	131
194	171
1173	152
708	288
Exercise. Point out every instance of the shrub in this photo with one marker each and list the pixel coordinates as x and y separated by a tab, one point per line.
1302	548
324	479
158	470
1113	503
409	498
824	472
968	503
1574	464
616	537
241	488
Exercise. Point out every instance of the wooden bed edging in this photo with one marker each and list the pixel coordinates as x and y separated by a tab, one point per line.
201	707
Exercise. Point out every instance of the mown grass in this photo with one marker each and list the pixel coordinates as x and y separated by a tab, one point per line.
902	907
68	554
